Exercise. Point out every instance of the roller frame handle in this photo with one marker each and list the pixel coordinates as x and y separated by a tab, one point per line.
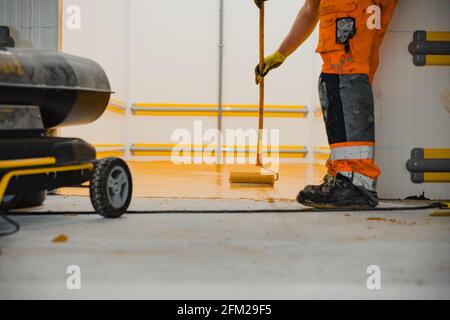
259	161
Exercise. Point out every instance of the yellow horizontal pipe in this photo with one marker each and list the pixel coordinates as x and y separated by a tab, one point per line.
436	177
138	149
229	110
174	113
194	146
120	152
322	152
199	153
321	156
207	105
115	109
8	164
438	36
108	154
214	114
438	60
437	153
28	172
175	105
223	151
109	145
159	153
169	145
318	111
291	155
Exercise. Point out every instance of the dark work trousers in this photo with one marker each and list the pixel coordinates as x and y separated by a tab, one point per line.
348	111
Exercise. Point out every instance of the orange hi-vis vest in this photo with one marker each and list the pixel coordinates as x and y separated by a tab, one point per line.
349	40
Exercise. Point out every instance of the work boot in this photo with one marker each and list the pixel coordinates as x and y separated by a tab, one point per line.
325	182
339	193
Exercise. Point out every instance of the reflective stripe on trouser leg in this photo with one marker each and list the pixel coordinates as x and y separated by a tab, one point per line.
361	180
352	153
356	162
344	168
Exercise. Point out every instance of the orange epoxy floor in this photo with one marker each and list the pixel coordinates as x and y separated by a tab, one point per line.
167	180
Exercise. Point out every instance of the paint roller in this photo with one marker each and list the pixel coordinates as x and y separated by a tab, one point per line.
263	176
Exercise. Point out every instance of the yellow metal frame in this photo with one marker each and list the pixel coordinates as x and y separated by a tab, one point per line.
8	164
4	182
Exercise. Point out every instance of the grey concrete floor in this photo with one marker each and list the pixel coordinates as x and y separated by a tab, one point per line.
220	256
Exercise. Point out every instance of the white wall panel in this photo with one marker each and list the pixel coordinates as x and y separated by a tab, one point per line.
174	51
408	111
102	37
159	129
109	129
294	82
33	24
294	136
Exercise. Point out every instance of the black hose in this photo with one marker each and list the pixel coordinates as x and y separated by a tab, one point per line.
436	205
431	206
16	226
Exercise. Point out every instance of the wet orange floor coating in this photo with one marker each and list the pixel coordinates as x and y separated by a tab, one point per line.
167	180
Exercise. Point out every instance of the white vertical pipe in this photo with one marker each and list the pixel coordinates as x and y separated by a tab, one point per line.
220	84
128	97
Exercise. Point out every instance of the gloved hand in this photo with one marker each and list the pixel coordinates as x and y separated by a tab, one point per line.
271	62
258	3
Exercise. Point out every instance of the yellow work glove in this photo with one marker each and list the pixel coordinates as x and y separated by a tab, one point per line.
271	62
258	3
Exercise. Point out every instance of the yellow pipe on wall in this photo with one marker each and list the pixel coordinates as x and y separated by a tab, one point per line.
208	105
438	36
437	153
437	177
437	60
210	110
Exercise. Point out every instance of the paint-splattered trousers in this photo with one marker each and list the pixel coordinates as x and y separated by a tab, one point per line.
348	111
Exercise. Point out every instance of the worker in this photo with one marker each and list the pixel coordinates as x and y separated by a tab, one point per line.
350	35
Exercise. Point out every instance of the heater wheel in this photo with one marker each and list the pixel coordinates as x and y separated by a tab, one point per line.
9	202
23	200
111	187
